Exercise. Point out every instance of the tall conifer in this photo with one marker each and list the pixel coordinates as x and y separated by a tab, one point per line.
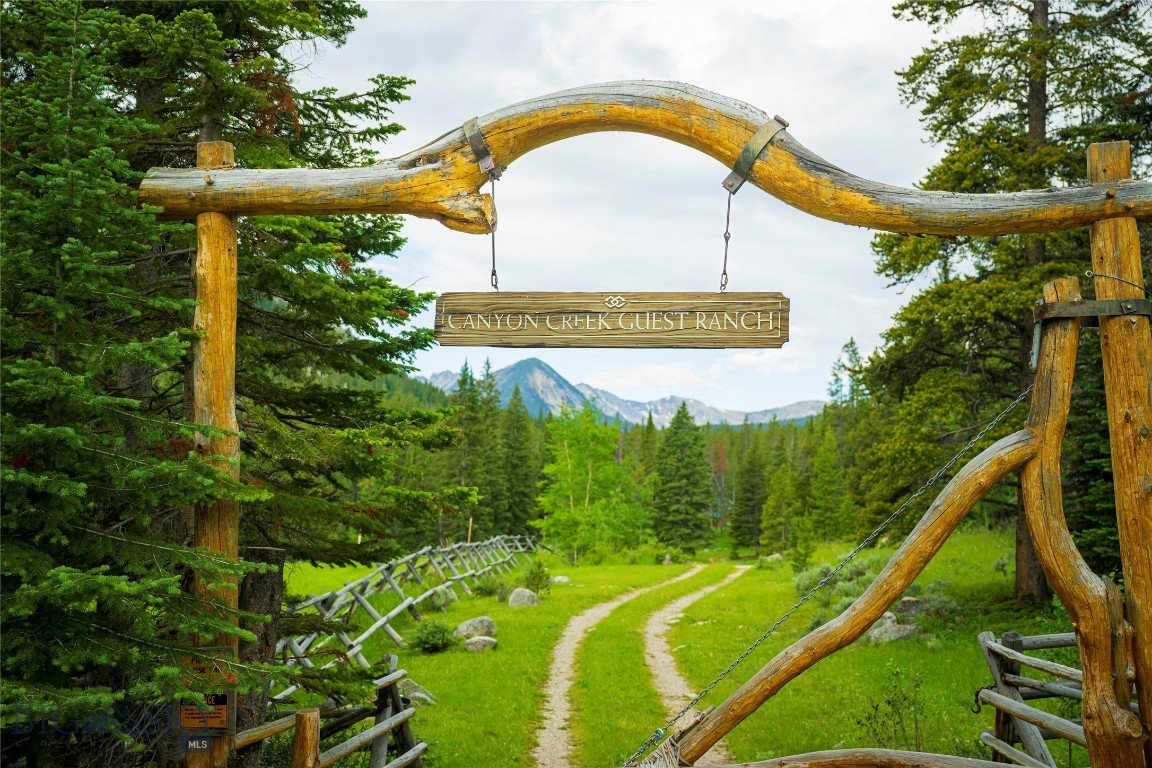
1015	100
98	472
683	496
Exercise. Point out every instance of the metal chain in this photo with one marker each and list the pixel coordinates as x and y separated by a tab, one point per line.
659	733
1090	273
494	279
727	237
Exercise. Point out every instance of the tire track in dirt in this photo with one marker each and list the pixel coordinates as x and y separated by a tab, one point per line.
674	689
553	741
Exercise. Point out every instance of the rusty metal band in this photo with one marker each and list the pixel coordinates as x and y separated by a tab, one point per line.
480	149
1090	311
751	151
1114	308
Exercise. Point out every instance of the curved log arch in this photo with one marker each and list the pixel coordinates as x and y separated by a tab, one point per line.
441	180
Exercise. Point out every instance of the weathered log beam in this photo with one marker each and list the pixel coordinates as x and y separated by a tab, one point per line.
969	485
442	179
869	758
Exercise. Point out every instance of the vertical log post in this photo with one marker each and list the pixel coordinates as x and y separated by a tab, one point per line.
214	394
1127	346
306	743
1112	732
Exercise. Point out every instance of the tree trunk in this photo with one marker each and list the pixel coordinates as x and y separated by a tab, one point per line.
262	593
1030	580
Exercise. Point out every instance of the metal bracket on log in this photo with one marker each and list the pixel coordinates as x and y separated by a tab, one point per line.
1089	311
751	151
480	149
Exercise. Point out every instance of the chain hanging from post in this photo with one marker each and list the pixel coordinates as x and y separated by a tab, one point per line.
489	166
727	237
658	736
739	175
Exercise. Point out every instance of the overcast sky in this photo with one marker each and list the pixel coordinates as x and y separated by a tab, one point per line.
625	212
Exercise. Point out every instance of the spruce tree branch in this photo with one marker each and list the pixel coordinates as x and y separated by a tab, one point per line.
178	649
150	545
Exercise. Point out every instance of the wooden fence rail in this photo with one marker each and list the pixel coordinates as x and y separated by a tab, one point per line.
412	579
1019	722
390	727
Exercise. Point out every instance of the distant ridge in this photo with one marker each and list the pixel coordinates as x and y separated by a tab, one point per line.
546	391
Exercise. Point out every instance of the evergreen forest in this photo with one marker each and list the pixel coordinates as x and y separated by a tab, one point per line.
349	457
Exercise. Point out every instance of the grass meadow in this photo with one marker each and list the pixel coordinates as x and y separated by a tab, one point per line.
910	694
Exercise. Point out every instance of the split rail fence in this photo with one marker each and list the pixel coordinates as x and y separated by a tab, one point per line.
412	579
1017	721
390	727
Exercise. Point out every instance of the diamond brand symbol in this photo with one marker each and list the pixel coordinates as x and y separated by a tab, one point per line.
615	302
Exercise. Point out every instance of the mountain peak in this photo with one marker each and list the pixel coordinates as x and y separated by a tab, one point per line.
546	391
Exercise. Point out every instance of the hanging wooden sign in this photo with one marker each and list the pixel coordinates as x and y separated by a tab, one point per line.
651	320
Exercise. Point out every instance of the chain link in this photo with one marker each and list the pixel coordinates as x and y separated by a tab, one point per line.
494	279
727	237
660	732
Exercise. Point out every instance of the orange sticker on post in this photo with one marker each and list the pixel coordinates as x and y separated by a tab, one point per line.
212	715
209	670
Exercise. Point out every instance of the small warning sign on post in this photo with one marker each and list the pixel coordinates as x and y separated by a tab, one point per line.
217	714
213	715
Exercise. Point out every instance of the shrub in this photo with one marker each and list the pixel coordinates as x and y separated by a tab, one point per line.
770	562
491	585
537	577
432	637
893	721
442	597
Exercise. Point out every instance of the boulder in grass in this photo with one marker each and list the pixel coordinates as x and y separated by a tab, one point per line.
521	598
561	580
479	643
910	606
477	627
415	693
887	629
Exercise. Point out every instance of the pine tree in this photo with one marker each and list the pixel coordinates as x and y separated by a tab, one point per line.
751	493
828	487
93	614
1015	103
683	496
491	472
649	441
98	474
521	466
780	500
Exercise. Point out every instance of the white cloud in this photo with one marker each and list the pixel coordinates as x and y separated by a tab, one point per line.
630	212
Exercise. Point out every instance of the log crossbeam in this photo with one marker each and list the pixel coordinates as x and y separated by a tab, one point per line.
442	179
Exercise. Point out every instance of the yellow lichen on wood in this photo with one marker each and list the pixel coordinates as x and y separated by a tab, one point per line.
442	179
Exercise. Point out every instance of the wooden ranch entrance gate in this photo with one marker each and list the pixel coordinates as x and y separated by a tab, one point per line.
442	181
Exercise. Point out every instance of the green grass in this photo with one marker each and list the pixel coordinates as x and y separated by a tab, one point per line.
305	579
615	707
824	707
489	703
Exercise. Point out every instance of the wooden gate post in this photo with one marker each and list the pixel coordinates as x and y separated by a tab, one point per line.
214	395
1127	346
